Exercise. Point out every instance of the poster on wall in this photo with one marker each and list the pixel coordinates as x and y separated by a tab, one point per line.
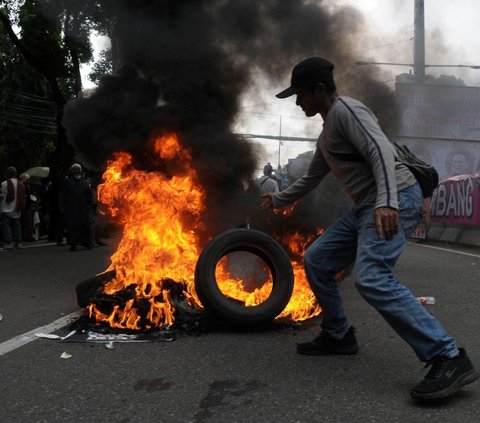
457	200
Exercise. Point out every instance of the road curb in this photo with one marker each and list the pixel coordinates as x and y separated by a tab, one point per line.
462	235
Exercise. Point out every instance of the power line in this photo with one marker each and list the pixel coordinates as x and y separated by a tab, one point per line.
278	138
385	45
30	112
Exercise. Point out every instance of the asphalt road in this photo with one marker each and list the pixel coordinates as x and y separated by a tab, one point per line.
224	376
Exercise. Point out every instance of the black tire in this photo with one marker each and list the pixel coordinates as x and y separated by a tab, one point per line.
227	309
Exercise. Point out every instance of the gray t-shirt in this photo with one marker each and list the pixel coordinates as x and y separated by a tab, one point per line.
267	184
353	147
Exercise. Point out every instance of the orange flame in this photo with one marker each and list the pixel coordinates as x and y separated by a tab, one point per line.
161	217
303	304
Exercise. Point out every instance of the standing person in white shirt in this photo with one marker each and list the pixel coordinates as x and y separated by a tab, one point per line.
12	203
267	183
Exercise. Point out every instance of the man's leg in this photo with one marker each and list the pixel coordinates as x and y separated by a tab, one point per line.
16	231
376	282
376	258
328	255
6	230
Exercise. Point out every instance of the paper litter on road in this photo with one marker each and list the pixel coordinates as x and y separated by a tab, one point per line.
47	335
90	336
73	332
109	338
65	355
53	336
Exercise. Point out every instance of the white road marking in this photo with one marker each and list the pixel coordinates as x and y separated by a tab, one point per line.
20	340
45	244
445	249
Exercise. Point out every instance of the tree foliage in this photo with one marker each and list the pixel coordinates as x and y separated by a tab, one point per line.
27	116
103	66
42	46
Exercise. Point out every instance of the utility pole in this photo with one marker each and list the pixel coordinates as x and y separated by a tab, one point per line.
418	64
279	143
419	41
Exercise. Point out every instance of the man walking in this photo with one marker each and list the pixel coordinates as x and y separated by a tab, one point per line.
387	205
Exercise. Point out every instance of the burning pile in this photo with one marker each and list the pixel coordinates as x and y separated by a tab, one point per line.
159	215
158	251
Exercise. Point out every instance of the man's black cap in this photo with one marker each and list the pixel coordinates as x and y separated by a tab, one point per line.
307	74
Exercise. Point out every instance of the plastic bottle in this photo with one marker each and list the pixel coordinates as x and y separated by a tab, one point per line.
426	300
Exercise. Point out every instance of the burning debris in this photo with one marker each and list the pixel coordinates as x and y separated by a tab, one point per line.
159	244
160	128
91	293
151	276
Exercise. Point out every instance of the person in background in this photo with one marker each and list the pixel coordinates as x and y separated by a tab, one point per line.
76	202
51	213
95	237
26	218
373	234
267	183
12	203
36	213
287	178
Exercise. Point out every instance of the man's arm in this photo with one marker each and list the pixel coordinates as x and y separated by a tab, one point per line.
317	170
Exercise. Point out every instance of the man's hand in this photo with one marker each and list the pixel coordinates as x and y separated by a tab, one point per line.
267	202
386	222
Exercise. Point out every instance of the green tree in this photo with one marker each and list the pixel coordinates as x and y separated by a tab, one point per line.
103	66
43	42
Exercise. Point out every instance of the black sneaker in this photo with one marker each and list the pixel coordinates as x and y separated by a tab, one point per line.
446	377
324	344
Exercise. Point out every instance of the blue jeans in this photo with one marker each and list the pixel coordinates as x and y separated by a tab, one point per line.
352	238
11	229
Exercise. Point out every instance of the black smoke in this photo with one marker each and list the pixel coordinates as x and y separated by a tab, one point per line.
182	66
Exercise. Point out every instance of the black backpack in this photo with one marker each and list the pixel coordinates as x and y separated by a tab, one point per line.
426	175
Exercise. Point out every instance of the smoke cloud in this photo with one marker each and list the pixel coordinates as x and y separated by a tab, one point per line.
183	65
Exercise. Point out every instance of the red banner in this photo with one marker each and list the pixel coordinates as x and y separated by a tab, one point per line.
457	200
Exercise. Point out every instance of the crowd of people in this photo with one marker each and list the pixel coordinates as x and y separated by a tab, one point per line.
273	180
62	211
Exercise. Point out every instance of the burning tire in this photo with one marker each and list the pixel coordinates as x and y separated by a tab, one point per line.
233	311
